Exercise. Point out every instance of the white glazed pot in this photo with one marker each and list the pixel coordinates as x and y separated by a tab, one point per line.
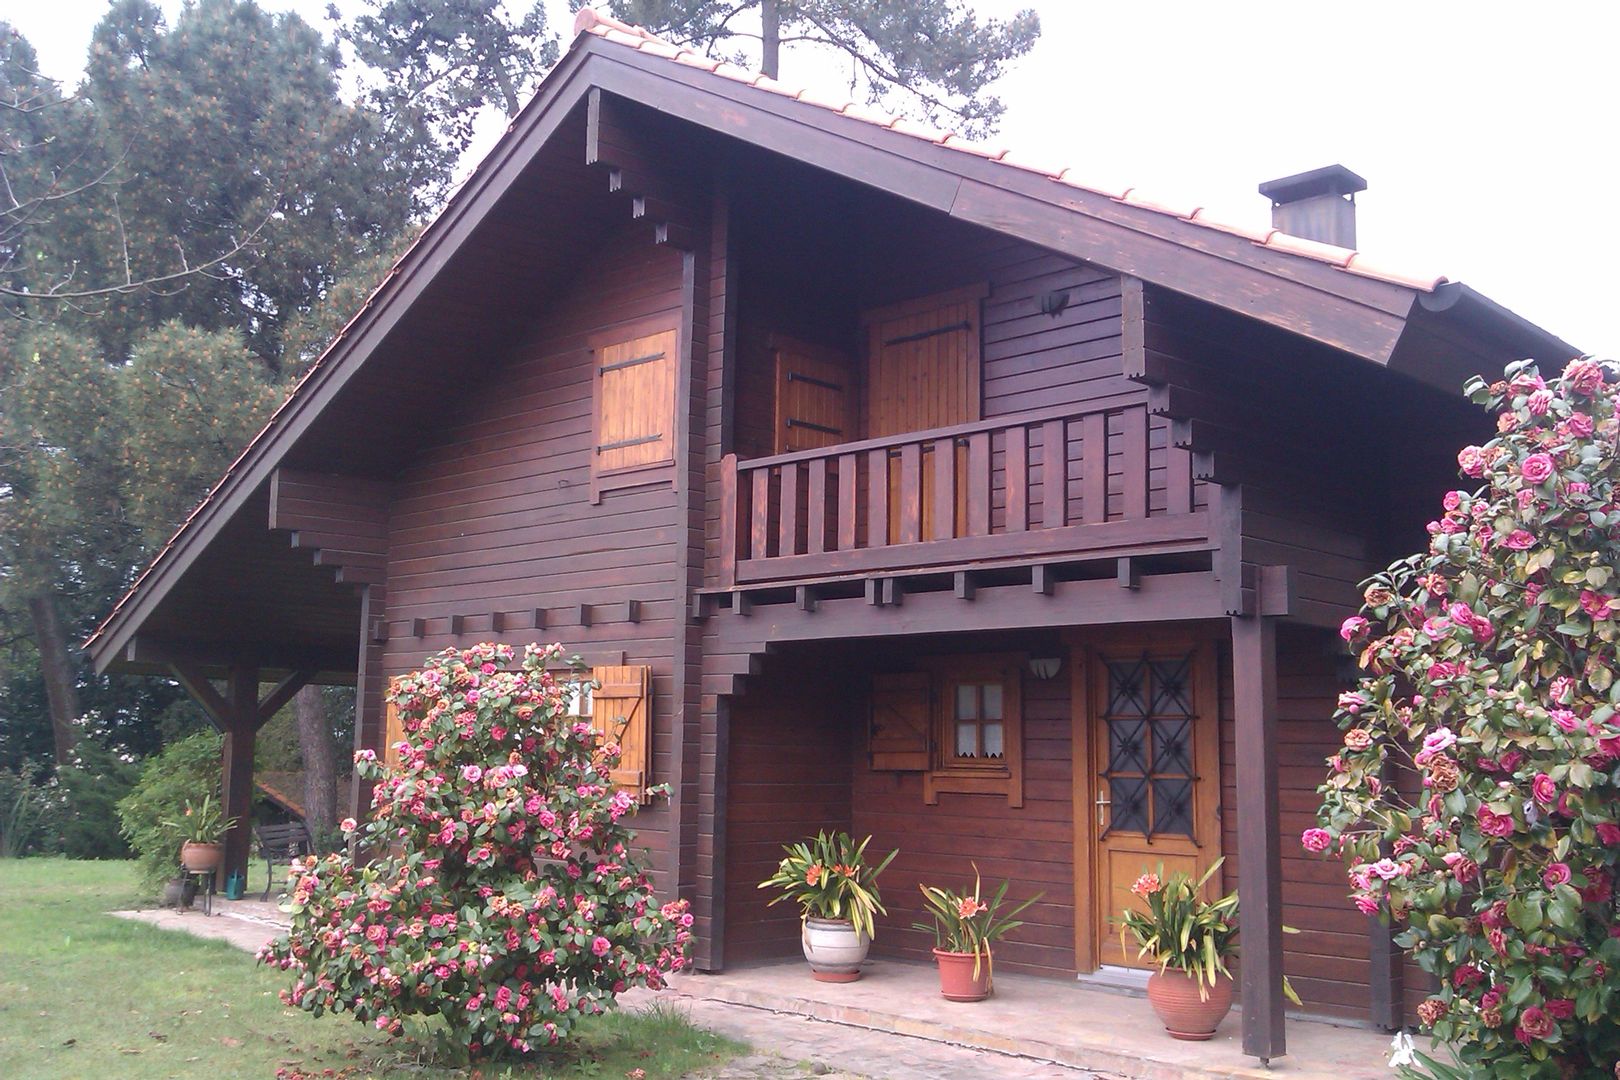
834	949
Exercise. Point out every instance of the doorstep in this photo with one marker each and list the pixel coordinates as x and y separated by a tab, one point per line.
1106	1032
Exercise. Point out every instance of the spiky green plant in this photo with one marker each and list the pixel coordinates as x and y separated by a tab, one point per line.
967	923
828	877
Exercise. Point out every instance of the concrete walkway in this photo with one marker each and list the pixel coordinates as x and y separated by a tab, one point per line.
1107	1032
893	1025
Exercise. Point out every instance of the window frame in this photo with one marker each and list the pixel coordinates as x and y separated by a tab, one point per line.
949	773
650	472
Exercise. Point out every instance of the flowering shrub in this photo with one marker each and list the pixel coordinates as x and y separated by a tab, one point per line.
504	896
1476	799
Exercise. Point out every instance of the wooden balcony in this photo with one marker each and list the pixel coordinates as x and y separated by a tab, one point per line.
1058	485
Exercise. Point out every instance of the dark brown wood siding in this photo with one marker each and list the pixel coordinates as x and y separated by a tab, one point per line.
492	515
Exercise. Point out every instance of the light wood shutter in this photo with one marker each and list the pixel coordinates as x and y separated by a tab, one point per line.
635	403
813	396
621	711
902	716
393	727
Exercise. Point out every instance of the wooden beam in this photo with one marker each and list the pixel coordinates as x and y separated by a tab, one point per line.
964	585
160	655
419	628
894	592
1128	573
202	691
458	625
280	694
742	604
539	617
804	597
632	611
1254	696
1041	579
582	614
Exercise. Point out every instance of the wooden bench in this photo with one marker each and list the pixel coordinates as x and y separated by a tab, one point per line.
280	843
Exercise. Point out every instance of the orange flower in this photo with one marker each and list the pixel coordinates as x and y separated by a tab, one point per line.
1146	885
968	907
813	875
847	871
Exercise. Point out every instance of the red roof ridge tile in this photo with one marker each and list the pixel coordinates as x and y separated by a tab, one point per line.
599	24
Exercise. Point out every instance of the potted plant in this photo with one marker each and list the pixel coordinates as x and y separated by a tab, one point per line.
1190	939
199	830
964	925
835	888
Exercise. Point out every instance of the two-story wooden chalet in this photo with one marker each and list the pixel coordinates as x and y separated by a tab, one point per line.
907	486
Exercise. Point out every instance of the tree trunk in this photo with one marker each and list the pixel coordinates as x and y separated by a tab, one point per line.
320	766
770	38
61	688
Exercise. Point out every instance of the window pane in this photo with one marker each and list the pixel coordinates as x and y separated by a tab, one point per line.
992	739
1129	799
992	701
1172	807
967	739
967	701
1172	747
1172	687
1126	693
1126	752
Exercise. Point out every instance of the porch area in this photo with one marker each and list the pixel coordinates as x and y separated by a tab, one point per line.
1105	1032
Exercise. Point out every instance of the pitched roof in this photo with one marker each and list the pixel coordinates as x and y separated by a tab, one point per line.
607	28
1288	260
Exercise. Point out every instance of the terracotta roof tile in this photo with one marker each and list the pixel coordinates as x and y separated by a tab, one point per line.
608	28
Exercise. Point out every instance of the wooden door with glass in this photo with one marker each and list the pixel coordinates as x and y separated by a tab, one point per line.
1153	755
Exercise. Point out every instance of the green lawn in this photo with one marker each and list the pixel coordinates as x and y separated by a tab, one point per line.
83	994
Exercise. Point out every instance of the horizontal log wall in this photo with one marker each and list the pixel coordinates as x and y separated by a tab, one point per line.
491	516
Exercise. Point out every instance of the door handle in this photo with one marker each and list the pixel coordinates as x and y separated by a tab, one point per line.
1103	802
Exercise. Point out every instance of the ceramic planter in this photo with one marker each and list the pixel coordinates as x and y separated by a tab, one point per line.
957	981
201	858
834	949
1186	1015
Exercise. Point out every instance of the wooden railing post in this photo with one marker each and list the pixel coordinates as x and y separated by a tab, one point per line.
731	510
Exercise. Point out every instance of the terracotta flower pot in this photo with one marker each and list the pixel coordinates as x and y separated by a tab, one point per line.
1186	1015
834	949
957	981
201	858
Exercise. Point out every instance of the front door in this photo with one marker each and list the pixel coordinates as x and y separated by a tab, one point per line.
1155	774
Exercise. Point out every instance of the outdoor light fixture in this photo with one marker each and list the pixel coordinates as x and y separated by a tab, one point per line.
1045	667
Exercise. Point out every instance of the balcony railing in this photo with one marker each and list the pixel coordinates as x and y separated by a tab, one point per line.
1040	486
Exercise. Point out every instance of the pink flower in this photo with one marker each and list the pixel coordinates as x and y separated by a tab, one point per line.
1566	720
1493	824
348	824
1580	426
1316	840
601	946
1453	499
1555	874
1519	540
1608	833
1544	790
1537	468
1534	1024
1388	869
1146	885
1594	604
1469	461
472	773
1540	402
1352	628
1584	376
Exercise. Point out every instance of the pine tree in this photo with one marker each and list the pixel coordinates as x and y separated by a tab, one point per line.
934	58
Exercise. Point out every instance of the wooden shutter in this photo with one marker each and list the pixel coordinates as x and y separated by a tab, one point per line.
635	404
923	361
813	396
621	711
902	716
393	727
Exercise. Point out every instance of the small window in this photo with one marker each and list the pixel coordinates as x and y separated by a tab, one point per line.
978	740
633	430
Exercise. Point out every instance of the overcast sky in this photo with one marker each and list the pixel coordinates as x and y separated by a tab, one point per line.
1486	131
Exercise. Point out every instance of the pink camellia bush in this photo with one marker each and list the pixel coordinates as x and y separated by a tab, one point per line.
502	892
1476	798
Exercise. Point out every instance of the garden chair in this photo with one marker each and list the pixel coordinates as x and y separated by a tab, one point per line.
280	843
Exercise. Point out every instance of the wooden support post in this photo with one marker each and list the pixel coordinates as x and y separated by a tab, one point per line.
1387	976
1254	695
242	697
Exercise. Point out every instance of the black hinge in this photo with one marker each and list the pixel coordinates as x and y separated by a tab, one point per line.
632	362
794	376
623	443
922	334
823	428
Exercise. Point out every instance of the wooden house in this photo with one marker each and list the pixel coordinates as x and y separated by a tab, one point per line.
891	482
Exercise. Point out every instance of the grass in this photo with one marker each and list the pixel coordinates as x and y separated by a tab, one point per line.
83	994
